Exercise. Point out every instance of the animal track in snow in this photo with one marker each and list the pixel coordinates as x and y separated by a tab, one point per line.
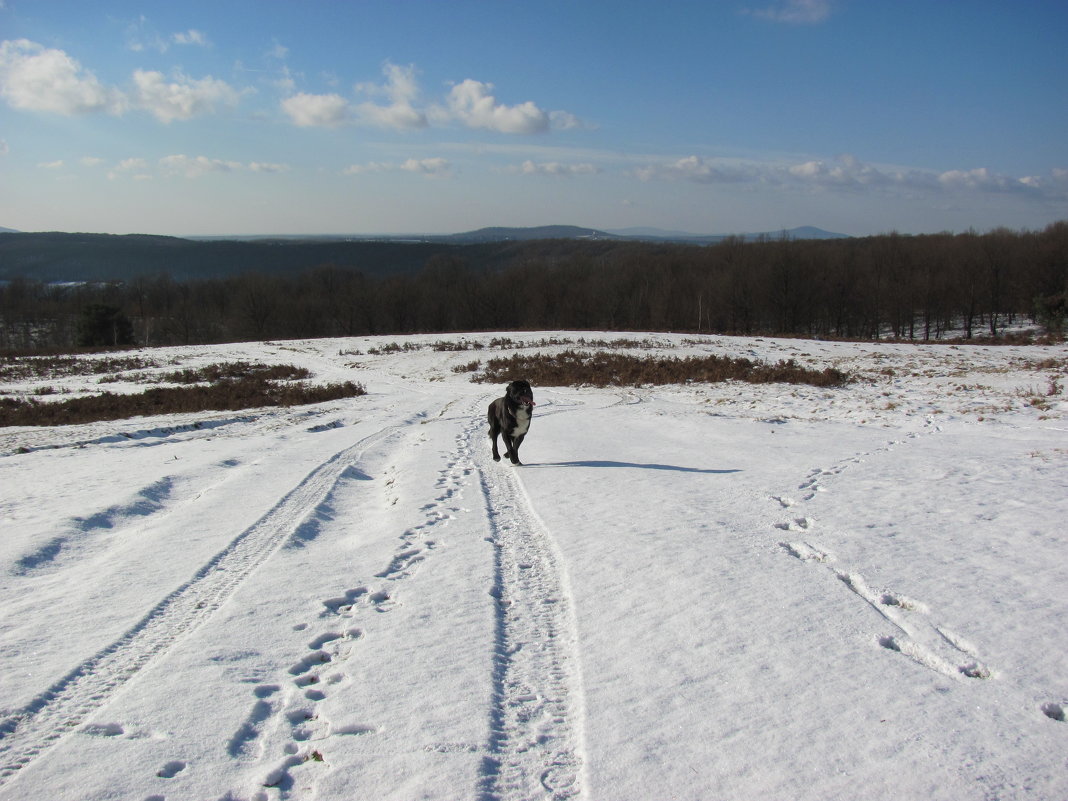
919	638
104	730
171	769
923	641
291	728
798	524
1053	711
806	552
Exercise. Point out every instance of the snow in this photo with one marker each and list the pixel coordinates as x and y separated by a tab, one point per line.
688	592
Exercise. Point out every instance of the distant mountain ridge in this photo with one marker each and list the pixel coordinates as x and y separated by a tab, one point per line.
517	234
58	256
645	234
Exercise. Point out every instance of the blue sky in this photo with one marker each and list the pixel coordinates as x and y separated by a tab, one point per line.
233	117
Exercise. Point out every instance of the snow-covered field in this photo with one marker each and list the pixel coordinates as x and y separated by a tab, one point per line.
688	592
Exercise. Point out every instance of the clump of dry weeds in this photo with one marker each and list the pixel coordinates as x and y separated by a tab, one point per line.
600	369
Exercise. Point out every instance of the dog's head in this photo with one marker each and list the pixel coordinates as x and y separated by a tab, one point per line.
521	393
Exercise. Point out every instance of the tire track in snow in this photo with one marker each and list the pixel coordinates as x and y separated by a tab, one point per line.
534	748
30	731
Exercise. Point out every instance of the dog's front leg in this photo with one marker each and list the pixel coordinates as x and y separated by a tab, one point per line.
514	454
494	430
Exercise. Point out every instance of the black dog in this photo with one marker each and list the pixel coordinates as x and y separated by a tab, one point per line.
510	417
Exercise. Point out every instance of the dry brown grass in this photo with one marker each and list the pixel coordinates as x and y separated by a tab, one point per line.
20	368
254	387
236	370
599	369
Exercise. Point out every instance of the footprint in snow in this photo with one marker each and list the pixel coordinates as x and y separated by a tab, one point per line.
806	552
104	730
171	769
309	662
908	604
1053	711
798	524
344	604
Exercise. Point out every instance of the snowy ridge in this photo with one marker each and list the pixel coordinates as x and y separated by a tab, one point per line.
65	705
722	591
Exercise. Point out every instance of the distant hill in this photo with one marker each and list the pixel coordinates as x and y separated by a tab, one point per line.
643	234
104	257
61	256
8	230
660	235
527	234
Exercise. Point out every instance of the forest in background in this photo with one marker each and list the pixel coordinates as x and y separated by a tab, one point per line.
889	286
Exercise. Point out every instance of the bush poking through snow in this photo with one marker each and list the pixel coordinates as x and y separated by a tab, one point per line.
572	368
224	395
17	368
236	370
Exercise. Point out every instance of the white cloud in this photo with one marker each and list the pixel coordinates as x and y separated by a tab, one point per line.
795	12
847	173
182	98
260	166
4	149
36	78
181	165
141	36
566	121
471	103
316	110
91	161
697	169
555	168
431	167
51	165
435	167
401	117
195	166
191	37
287	83
130	165
402	91
279	51
361	169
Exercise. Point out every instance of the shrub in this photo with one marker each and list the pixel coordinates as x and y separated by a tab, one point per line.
600	369
225	395
236	370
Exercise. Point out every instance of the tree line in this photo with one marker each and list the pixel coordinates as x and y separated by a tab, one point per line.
888	286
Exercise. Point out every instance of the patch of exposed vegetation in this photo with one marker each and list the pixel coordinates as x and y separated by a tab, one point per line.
236	370
507	343
21	368
599	369
223	395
